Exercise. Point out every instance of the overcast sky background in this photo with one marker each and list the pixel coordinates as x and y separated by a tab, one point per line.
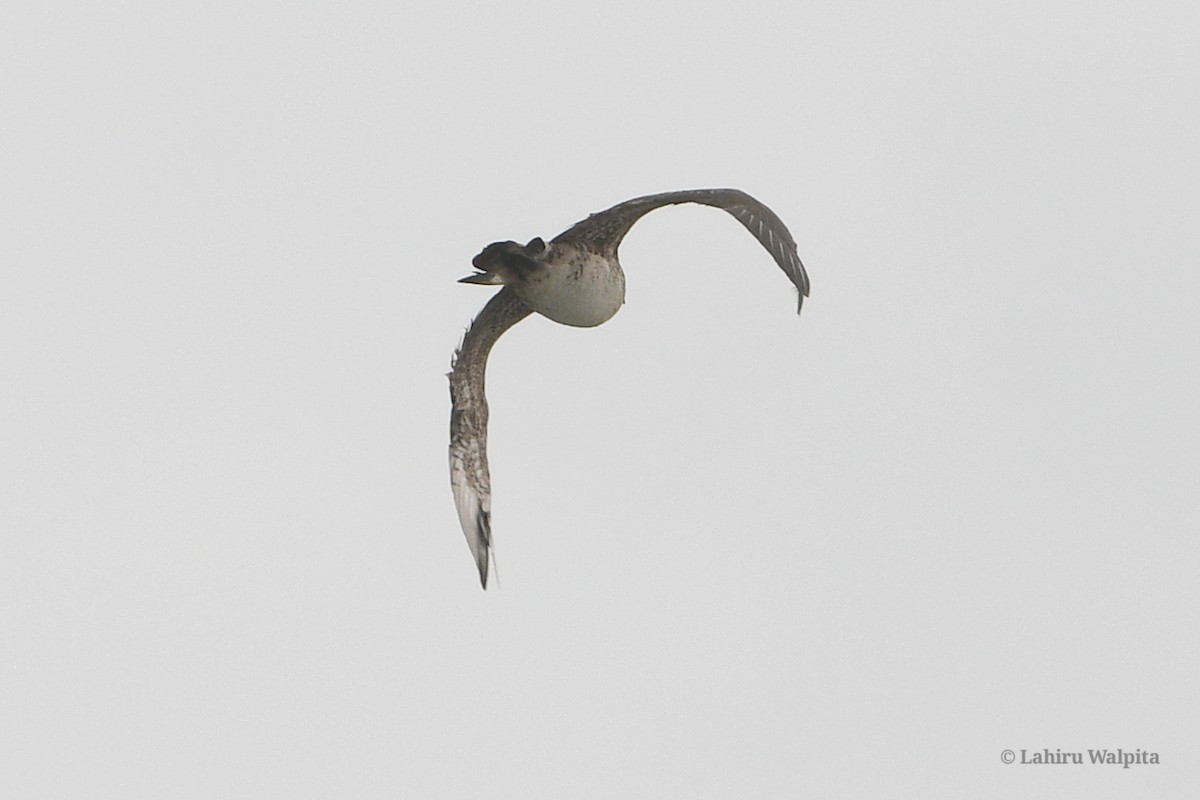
949	510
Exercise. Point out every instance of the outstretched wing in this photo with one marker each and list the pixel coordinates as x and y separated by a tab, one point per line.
604	231
469	476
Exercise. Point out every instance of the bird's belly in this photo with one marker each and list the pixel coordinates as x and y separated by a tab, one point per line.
583	292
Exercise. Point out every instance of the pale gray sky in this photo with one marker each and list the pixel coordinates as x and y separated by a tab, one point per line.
950	510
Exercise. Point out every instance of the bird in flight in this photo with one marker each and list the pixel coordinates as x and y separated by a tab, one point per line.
574	279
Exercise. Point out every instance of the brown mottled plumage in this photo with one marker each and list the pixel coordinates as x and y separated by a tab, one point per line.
576	279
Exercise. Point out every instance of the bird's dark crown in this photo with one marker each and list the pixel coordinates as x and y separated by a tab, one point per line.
494	254
508	253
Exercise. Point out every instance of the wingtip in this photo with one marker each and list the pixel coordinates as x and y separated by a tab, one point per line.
482	563
801	296
473	516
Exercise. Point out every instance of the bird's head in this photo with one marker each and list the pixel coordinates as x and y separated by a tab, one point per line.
507	262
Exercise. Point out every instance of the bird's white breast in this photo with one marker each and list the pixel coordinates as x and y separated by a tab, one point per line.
576	288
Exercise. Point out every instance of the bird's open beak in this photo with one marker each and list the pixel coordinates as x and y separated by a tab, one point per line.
484	278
